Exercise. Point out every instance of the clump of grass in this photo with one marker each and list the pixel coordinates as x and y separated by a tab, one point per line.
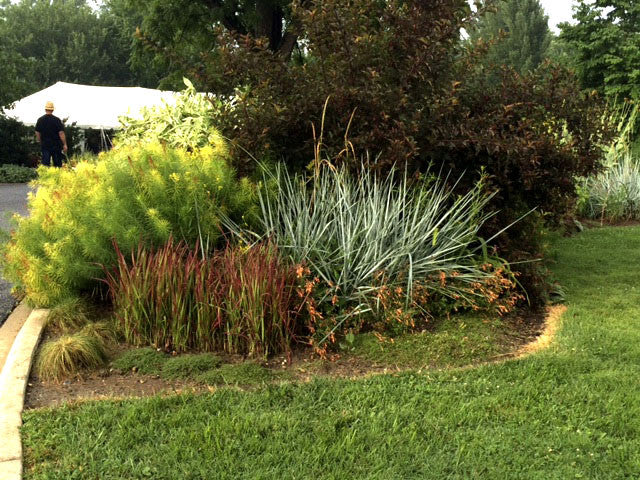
614	195
70	314
189	366
247	373
148	361
238	300
104	331
67	355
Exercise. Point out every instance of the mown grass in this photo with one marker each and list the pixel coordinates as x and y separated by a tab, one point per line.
572	411
456	341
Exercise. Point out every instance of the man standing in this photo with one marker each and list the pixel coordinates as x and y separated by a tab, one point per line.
50	134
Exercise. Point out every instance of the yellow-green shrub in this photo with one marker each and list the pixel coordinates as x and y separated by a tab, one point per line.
131	194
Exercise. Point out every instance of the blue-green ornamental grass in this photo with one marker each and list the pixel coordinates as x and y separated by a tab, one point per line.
572	411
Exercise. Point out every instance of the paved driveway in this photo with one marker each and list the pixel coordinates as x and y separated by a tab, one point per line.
13	199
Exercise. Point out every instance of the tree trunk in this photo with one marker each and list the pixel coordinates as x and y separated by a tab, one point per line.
269	23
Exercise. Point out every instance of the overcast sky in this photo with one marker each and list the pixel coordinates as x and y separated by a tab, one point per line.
558	11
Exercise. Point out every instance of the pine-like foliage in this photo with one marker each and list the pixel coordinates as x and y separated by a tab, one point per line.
526	30
131	194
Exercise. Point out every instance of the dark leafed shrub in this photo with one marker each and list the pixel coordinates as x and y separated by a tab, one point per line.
401	85
18	144
530	134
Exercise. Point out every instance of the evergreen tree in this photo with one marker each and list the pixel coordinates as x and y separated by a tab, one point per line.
526	34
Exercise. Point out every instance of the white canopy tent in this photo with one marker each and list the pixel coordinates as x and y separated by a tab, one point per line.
88	106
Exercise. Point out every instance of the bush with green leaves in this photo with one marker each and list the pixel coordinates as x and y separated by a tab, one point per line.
16	174
143	193
188	123
18	144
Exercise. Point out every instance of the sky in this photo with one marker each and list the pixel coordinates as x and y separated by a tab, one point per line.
558	11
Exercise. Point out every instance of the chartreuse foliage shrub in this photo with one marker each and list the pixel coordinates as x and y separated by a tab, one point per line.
382	244
238	301
132	195
188	123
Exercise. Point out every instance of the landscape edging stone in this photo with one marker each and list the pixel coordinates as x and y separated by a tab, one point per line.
13	385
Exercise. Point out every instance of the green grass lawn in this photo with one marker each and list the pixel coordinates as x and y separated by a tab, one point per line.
572	411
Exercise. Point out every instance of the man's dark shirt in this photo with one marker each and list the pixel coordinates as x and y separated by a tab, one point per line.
50	127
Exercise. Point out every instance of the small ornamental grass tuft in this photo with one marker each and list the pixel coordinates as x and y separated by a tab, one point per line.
68	355
70	314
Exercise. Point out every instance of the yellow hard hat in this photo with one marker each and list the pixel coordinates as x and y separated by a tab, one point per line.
48	106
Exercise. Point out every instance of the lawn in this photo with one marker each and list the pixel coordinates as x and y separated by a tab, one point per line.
572	411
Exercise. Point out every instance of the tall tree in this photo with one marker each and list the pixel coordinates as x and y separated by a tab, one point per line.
606	38
187	29
525	33
45	41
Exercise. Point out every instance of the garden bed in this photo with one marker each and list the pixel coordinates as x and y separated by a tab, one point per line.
457	342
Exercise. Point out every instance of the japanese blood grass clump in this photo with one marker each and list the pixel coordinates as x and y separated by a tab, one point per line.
237	301
132	194
365	235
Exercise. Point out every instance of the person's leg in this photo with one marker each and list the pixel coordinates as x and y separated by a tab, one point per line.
46	157
57	158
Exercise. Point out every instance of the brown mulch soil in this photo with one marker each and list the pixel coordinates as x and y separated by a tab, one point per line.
102	385
302	366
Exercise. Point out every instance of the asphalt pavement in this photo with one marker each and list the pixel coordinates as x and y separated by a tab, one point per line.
13	199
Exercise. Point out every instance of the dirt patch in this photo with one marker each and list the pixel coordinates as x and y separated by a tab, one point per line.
101	386
590	223
524	336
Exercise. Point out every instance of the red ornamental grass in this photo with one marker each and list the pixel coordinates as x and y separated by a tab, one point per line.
236	301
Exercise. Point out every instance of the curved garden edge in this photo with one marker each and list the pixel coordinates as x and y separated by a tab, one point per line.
13	383
13	380
552	322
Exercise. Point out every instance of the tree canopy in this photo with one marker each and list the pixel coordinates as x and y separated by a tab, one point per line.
606	39
47	41
525	30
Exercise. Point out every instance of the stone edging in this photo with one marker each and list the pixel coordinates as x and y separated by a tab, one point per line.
13	384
